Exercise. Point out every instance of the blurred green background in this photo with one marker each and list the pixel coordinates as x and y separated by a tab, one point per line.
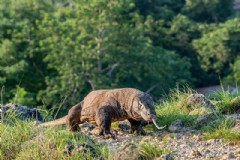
54	52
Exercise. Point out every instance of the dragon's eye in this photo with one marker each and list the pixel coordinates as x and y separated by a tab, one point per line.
142	106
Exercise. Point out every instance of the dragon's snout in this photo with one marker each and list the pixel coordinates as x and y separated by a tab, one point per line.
150	117
153	118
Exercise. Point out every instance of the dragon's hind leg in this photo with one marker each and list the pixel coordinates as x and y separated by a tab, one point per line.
73	117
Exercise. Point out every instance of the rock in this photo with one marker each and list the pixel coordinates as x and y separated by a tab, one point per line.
236	127
21	112
197	137
87	127
228	156
211	141
128	151
237	151
11	105
3	109
205	119
164	157
233	116
68	148
124	127
85	148
175	126
195	154
207	151
199	104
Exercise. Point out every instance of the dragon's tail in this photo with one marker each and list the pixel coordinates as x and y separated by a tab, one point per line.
56	122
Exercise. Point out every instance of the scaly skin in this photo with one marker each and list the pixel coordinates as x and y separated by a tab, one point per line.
102	107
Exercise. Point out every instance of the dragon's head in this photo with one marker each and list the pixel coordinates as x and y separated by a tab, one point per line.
144	107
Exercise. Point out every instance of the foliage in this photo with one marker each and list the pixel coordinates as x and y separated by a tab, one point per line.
23	97
219	47
171	108
55	52
209	10
151	151
221	130
19	138
102	47
235	77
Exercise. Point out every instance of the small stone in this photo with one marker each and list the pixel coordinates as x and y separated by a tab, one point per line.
210	141
175	126
85	148
237	151
228	156
195	154
127	149
197	138
177	137
68	148
201	149
95	131
207	151
120	133
204	119
164	157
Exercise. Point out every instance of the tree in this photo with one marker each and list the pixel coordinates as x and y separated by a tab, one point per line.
102	44
208	10
159	9
20	63
218	47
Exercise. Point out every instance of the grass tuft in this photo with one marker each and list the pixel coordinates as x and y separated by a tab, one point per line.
20	138
172	108
150	151
223	99
221	130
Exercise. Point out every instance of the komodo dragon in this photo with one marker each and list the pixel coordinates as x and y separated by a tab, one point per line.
101	107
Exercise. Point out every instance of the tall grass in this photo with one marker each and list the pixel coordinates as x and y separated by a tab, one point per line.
22	140
223	99
221	130
173	108
151	151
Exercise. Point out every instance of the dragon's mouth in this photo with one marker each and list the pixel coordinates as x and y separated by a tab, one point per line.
153	118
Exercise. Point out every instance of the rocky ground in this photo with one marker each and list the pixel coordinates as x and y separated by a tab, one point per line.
187	143
179	141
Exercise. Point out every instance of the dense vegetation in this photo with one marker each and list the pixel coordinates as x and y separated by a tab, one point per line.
54	52
21	139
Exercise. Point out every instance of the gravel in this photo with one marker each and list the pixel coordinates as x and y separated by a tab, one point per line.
186	144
